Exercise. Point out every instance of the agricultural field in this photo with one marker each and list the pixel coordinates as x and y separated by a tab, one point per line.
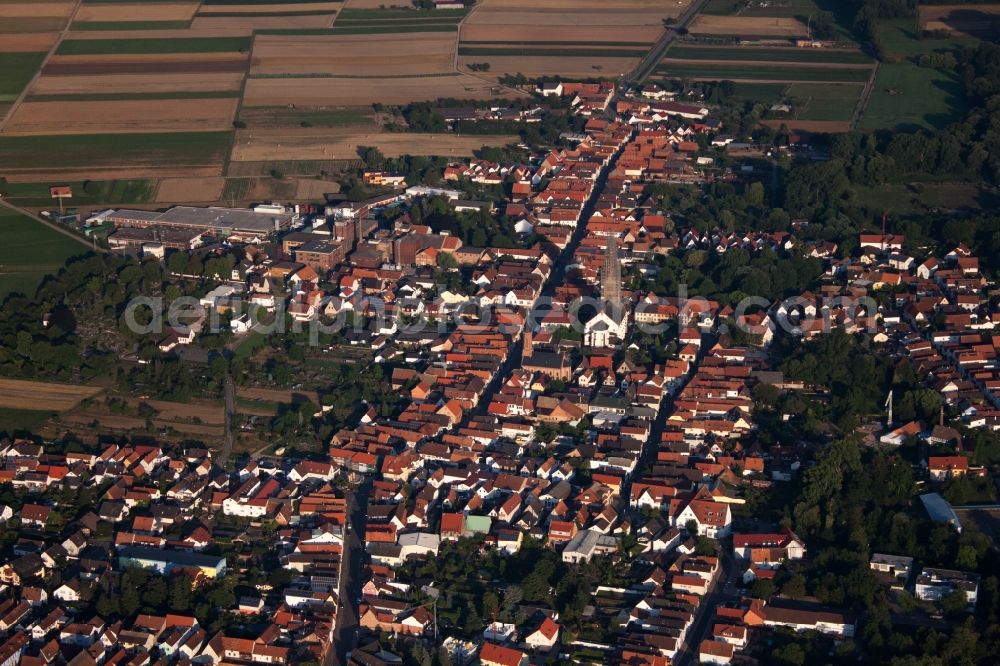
907	96
357	21
748	27
85	193
21	394
350	92
28	252
323	144
823	86
571	38
27	17
353	55
961	20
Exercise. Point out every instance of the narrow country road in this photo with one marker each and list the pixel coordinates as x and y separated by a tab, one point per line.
649	62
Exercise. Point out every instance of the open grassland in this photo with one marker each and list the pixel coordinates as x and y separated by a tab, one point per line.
907	96
85	193
332	91
353	55
824	101
317	144
965	20
121	154
127	116
28	252
748	27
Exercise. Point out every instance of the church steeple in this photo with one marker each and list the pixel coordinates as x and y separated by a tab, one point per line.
611	274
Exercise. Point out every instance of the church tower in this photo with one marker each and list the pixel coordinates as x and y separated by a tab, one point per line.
611	274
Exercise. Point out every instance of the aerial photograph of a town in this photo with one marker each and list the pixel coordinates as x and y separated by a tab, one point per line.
499	332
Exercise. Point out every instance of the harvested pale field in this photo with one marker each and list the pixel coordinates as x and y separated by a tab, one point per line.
130	83
245	25
326	144
21	394
211	413
548	35
313	189
572	66
311	7
972	20
363	92
36	9
37	42
354	55
748	26
820	126
146	11
197	190
276	395
122	116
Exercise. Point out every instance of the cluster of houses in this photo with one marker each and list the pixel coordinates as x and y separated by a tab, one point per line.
154	511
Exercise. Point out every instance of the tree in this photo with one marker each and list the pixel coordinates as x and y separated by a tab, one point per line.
762	588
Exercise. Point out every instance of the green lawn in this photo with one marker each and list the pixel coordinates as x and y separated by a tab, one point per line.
762	92
139	45
824	101
908	97
16	70
29	251
115	150
91	192
790	54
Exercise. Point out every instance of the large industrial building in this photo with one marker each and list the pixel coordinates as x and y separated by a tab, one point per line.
245	224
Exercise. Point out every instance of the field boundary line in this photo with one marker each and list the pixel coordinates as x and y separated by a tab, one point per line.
859	111
38	72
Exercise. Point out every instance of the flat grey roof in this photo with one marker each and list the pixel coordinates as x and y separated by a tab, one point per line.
234	219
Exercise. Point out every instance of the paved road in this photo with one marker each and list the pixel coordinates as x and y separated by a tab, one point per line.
652	59
513	359
723	588
344	635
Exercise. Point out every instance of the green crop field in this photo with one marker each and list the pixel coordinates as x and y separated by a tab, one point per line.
16	70
84	26
763	92
89	192
756	73
824	101
22	420
153	46
114	150
907	96
743	54
29	251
